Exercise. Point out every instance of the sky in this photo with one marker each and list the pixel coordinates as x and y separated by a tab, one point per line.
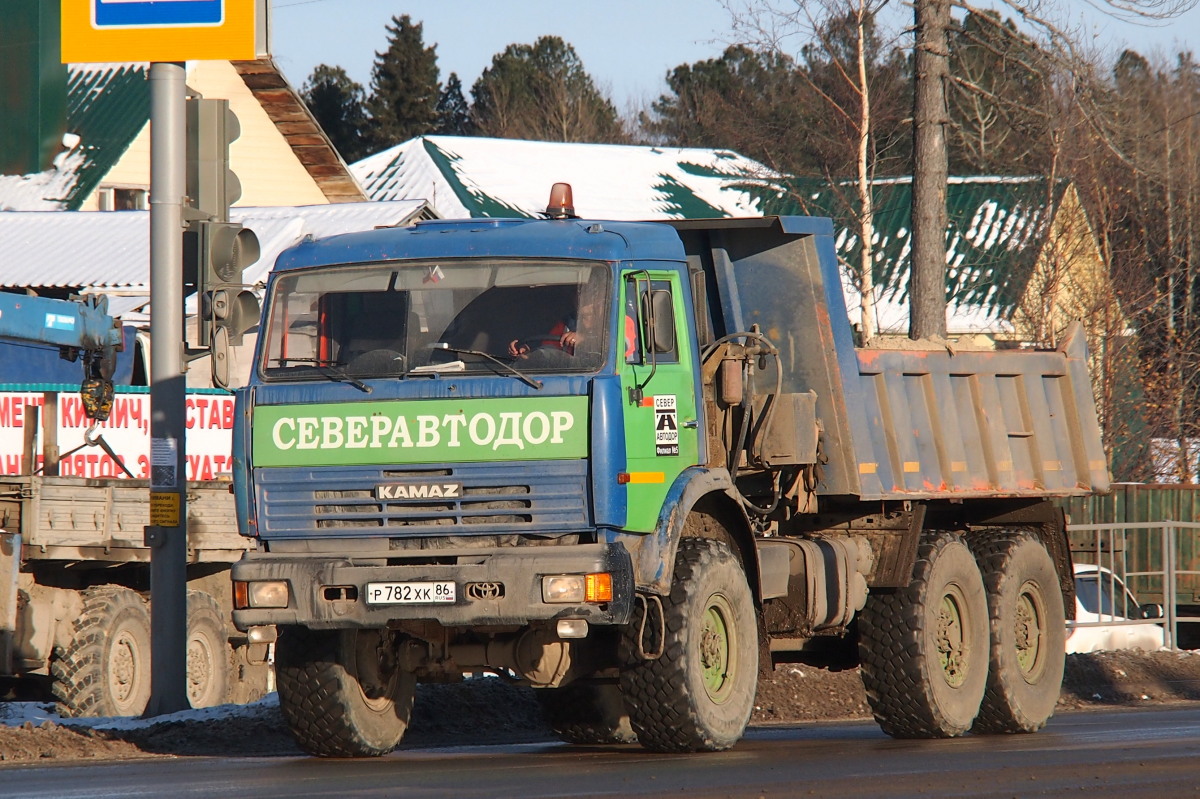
628	46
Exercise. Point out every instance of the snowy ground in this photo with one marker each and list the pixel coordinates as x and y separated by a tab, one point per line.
17	714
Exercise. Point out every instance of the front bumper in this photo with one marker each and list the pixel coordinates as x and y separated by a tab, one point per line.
327	592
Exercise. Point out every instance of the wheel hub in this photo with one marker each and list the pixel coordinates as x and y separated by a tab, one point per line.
951	641
199	669
124	669
714	651
377	668
1028	632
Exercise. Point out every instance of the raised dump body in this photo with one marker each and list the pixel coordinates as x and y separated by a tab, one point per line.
924	421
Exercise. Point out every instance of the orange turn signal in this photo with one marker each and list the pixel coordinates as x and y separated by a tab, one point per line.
241	595
598	587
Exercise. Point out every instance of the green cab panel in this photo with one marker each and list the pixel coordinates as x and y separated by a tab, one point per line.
661	431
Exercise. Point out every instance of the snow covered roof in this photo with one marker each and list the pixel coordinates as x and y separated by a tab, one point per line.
997	228
111	249
481	177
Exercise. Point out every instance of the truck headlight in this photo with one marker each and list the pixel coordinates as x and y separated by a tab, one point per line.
260	594
567	589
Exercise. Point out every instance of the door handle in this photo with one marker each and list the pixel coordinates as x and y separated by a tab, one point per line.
691	424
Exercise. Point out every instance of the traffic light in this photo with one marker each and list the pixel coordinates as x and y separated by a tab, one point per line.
215	250
214	256
211	185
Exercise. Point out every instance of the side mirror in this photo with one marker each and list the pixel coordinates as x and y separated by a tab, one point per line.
1150	611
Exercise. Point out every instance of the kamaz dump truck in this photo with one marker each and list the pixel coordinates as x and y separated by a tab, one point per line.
632	464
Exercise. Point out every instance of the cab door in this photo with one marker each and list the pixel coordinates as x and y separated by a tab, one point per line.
658	378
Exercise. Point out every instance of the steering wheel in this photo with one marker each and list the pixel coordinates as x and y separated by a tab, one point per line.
547	357
382	362
535	343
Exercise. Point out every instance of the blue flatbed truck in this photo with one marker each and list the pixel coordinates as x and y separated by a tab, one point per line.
706	478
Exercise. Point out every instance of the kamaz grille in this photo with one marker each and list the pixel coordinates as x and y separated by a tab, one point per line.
530	496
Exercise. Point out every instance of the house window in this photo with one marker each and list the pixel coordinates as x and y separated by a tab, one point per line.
118	198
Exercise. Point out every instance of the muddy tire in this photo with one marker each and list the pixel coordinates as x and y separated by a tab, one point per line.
105	669
342	692
924	648
1028	633
208	652
587	714
699	694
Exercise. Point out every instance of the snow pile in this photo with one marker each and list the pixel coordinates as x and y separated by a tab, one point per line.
16	714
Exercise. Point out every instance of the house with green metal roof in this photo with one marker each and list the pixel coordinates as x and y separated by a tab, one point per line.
482	177
1021	258
282	156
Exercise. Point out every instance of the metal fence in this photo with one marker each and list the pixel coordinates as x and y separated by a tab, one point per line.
1157	562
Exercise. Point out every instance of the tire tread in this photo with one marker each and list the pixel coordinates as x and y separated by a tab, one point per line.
78	668
661	705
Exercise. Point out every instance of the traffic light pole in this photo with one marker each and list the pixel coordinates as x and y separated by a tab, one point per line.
167	533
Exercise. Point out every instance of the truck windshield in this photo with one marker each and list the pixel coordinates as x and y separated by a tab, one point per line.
414	318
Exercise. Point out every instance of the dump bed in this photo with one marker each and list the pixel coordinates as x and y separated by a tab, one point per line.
904	423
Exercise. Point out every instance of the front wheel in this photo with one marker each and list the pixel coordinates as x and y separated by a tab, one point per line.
924	648
343	692
698	695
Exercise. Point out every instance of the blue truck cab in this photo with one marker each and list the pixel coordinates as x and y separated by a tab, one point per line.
455	383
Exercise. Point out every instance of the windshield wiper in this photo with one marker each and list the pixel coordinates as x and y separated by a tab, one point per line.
326	368
341	376
441	345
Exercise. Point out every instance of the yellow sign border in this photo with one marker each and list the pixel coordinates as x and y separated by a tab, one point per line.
164	509
233	40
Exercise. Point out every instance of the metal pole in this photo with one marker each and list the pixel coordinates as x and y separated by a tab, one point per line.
1169	577
167	535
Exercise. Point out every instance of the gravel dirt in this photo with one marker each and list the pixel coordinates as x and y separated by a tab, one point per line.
489	711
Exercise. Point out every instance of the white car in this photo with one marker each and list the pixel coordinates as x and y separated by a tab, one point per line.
1100	596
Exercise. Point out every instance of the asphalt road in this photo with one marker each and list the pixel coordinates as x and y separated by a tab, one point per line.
1130	754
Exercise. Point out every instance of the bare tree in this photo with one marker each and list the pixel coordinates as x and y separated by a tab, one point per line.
932	19
832	25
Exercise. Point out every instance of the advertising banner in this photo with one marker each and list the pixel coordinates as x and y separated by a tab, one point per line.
127	432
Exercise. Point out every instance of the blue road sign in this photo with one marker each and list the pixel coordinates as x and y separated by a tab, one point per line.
110	14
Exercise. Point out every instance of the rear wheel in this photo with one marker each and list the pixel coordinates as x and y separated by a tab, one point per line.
697	696
924	648
343	692
105	669
587	713
1028	633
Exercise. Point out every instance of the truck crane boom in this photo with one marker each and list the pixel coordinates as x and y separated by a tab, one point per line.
79	328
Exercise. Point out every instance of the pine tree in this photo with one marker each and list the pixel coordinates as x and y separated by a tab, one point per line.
746	100
999	98
454	115
404	86
542	91
337	102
